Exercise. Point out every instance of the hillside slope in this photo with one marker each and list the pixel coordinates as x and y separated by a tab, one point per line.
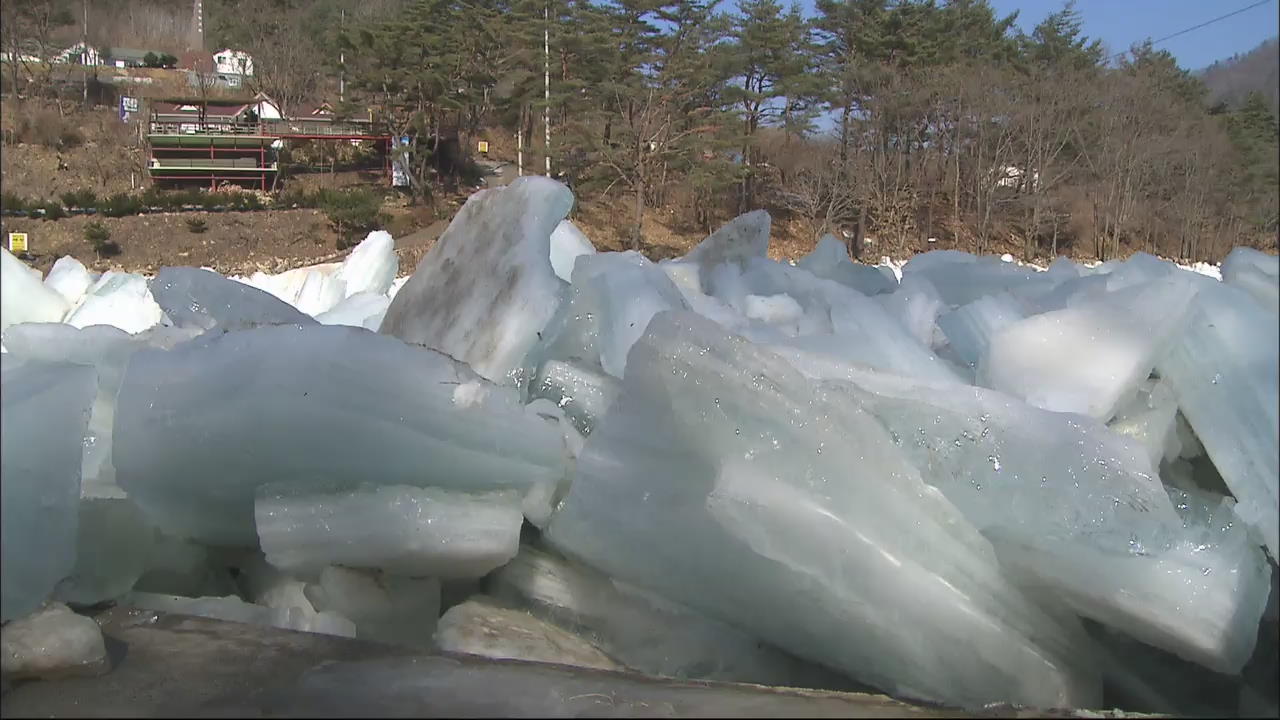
1258	70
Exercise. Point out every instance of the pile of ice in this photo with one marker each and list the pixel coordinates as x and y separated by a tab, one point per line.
980	483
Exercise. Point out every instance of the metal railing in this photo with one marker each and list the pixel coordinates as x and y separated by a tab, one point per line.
168	124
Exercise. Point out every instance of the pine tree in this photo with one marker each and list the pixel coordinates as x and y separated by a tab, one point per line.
771	57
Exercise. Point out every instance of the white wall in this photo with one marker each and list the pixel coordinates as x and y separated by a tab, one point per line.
233	62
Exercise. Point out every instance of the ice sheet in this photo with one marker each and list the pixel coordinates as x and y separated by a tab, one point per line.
113	548
724	480
486	288
1078	511
315	404
917	305
641	630
1224	372
830	261
621	292
364	309
203	299
107	349
23	298
70	278
1256	273
417	532
371	266
1091	357
44	410
568	243
118	299
969	328
385	608
584	395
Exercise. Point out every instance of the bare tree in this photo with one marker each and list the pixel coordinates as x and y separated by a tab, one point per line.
285	58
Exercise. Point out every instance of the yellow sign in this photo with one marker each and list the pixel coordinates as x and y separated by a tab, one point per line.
17	242
483	146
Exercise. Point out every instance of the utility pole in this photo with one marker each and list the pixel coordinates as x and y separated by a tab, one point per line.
546	83
342	61
84	54
196	39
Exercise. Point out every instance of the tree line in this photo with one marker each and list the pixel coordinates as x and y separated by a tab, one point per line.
899	120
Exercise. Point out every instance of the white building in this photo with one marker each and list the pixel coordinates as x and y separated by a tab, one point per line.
237	62
79	54
265	107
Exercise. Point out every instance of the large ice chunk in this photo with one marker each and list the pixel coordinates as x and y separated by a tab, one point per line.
312	404
1199	595
1150	418
622	292
44	409
641	630
23	298
107	349
113	549
193	297
417	532
1089	358
232	609
481	626
915	304
118	299
583	394
1254	272
567	244
313	290
179	567
969	328
1224	371
70	278
723	479
740	239
961	278
263	584
485	290
52	643
364	309
837	321
385	608
1078	510
371	266
830	261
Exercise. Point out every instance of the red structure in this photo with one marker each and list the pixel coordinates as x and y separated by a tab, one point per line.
222	143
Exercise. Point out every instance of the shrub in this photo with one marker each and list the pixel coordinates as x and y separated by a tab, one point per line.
53	210
196	225
100	238
70	136
352	212
12	202
297	196
120	205
80	199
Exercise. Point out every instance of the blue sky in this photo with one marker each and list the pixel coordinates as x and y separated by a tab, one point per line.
1120	23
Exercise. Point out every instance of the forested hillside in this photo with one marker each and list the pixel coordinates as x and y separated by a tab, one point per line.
903	120
906	121
1230	81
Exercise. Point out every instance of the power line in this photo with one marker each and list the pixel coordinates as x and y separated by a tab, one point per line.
1197	27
